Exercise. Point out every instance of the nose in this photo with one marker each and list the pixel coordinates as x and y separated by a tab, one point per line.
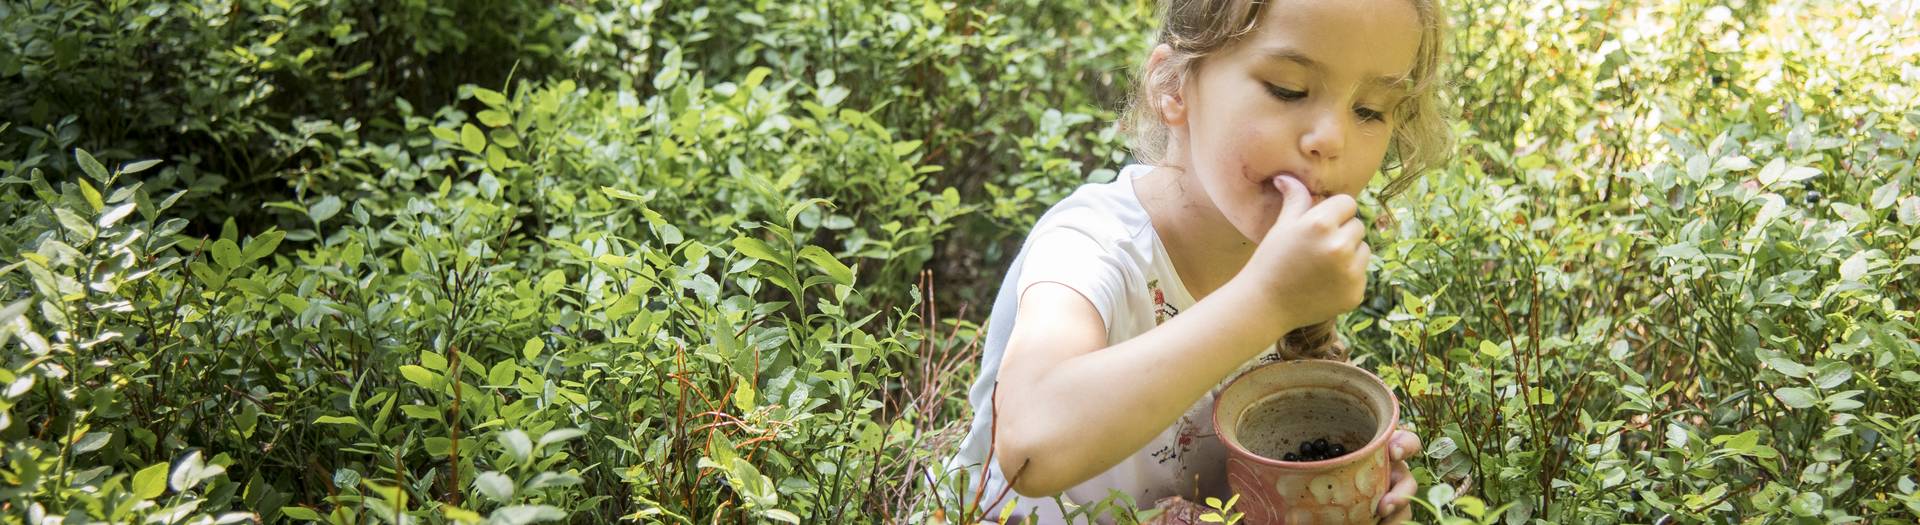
1325	137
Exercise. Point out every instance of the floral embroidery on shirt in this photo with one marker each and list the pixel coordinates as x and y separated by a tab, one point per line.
1161	310
1186	431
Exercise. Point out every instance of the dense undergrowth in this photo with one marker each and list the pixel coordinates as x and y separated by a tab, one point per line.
686	262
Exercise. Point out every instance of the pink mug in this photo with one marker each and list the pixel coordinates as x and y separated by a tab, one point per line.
1274	409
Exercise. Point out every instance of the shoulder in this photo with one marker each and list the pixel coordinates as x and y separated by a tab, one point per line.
1107	213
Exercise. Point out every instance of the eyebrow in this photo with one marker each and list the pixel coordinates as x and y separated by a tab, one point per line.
1288	54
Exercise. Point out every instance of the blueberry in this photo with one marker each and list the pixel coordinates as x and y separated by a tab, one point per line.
1292	457
1813	198
1338	450
1320	446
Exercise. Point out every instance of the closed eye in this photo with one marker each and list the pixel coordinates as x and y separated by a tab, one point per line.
1367	114
1285	94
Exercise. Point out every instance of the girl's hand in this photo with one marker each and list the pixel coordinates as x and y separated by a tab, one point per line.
1312	264
1396	505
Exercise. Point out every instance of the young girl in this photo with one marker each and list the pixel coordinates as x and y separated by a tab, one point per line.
1133	302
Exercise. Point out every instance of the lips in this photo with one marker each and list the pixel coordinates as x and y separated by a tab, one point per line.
1313	186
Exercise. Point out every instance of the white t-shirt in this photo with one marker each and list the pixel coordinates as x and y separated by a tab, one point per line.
1099	242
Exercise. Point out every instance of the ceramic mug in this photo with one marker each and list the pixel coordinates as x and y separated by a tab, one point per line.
1273	409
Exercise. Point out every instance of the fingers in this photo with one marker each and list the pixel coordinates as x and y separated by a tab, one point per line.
1400	496
1351	233
1396	504
1404	445
1405	514
1336	210
1296	200
1361	256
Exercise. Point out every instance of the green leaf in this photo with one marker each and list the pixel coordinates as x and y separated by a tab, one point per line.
669	70
150	481
1806	504
301	513
1833	374
293	303
227	254
337	420
1440	494
1796	397
472	139
524	514
754	248
138	167
793	212
1885	195
498	160
429	413
504	138
552	281
1787	366
495	118
489	97
901	149
419	375
1909	211
1676	436
494	485
324	209
517	445
834	269
624	306
92	195
532	348
91	441
444	134
73	222
1492	350
743	398
755	77
1854	268
1470	505
113	216
264	244
559	435
191	471
91	166
214	279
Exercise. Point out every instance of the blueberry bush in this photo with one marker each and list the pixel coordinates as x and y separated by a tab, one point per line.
660	261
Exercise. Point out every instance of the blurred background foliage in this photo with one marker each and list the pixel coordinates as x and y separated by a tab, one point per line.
510	261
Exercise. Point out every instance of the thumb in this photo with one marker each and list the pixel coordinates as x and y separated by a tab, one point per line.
1295	198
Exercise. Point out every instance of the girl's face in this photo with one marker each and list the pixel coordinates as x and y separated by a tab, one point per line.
1310	93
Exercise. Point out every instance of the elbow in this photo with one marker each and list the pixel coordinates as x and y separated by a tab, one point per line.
1021	461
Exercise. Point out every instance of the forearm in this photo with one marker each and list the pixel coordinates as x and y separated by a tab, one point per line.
1102	406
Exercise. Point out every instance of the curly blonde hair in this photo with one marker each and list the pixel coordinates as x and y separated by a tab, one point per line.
1422	138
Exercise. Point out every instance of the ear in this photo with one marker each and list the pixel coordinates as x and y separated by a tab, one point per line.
1166	96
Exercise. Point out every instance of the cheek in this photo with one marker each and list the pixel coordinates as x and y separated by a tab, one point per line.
1249	145
1370	155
